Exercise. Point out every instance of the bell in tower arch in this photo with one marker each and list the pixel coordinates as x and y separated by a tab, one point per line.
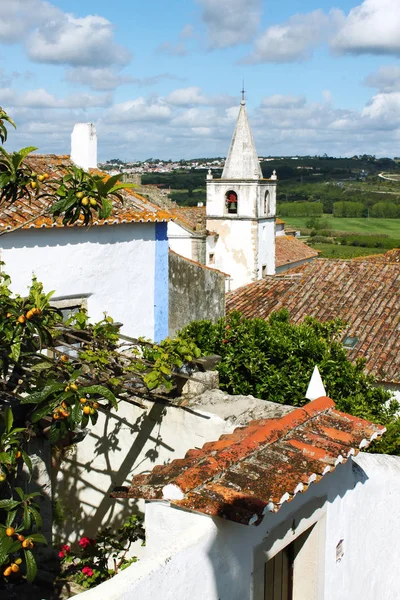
231	202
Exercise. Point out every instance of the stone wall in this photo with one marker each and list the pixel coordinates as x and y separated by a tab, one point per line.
195	292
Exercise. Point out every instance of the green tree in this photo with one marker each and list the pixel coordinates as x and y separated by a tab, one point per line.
50	394
274	359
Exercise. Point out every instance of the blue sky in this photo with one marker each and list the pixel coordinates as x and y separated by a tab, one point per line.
163	79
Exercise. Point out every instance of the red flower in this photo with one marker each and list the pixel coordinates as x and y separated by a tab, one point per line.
66	548
87	571
61	554
85	542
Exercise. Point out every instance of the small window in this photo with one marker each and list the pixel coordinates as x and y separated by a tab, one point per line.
263	270
211	259
69	305
231	202
349	342
266	203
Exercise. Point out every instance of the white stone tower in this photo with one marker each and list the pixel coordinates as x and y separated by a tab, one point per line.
241	212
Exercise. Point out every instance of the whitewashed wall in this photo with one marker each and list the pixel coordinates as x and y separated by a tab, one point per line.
114	264
122	444
235	249
266	247
180	240
195	557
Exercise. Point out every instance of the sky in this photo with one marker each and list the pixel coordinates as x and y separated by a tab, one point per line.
164	79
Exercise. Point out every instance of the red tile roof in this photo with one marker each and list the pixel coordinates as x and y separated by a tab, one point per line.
192	217
364	294
389	256
22	213
260	298
289	249
255	469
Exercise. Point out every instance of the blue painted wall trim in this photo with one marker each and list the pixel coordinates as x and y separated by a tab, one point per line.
161	283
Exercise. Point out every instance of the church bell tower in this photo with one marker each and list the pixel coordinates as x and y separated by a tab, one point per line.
241	212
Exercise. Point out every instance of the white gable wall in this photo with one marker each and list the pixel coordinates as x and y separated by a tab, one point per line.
180	240
114	264
195	557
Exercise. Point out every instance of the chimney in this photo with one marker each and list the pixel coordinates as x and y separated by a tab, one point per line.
84	146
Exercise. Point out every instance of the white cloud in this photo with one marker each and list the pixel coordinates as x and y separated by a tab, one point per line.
186	97
55	37
293	40
196	118
97	79
230	22
187	32
372	27
384	108
178	49
42	99
19	17
386	78
154	126
107	79
140	109
76	41
327	96
278	101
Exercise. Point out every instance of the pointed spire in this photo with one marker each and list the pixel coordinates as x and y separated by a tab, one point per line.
315	387
242	160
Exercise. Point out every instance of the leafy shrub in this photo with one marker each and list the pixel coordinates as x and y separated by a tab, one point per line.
91	563
370	241
322	239
274	359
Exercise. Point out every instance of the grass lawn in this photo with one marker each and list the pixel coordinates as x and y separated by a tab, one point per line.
390	227
338	251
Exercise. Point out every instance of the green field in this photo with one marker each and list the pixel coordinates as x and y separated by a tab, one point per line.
390	227
338	251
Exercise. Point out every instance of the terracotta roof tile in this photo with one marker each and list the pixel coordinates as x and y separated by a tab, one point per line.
135	208
364	294
389	256
256	468
192	217
289	249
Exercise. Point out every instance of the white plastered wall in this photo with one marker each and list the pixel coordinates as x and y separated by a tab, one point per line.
235	250
180	240
114	264
266	247
195	557
128	442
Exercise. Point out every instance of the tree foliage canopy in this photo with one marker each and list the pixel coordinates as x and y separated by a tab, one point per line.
274	359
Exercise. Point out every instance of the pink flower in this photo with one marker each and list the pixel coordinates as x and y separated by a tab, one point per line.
87	571
61	554
85	542
66	548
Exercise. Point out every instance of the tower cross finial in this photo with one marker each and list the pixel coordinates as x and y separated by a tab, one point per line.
243	92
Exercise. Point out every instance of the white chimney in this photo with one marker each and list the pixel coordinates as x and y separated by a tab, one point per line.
84	146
